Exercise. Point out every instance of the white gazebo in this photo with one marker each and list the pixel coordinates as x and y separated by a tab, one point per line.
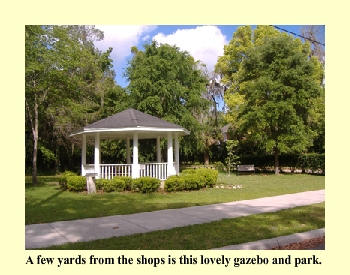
132	125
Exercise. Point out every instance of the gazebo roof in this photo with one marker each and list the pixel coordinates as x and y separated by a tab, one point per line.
122	125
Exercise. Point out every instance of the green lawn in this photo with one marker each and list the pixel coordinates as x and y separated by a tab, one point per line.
46	202
215	234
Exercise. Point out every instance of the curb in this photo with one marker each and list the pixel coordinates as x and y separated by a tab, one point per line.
275	242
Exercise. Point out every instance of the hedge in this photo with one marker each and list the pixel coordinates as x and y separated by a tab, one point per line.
146	184
63	179
76	183
310	161
192	179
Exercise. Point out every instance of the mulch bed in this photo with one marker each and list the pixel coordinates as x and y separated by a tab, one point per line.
306	244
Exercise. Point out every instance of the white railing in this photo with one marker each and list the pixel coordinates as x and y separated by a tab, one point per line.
154	170
109	171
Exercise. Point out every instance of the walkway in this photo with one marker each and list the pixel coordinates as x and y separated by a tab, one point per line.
55	233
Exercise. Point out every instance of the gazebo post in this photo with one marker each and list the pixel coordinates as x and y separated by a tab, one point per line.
97	154
177	155
83	155
135	171
170	155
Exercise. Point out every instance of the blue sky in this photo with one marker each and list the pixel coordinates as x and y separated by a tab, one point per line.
203	42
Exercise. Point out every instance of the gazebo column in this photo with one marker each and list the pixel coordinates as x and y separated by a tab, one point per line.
170	155
83	156
128	160
97	155
135	161
159	153
177	156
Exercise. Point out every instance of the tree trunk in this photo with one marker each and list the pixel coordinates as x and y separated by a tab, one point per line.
35	137
277	164
206	158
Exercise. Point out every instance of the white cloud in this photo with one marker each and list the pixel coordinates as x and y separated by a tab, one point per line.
121	38
204	43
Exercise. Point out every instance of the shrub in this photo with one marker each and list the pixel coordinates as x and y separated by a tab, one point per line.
219	166
193	181
63	179
146	184
112	185
174	183
101	183
199	178
128	182
115	184
210	176
76	183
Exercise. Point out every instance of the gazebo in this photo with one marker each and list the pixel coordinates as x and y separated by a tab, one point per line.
132	125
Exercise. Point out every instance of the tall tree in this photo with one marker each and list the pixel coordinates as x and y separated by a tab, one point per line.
165	82
277	83
61	74
315	36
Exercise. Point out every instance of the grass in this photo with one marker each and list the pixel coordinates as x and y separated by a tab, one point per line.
215	234
46	202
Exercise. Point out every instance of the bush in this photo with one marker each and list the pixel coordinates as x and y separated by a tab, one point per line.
146	184
210	176
63	180
128	183
192	179
219	166
117	184
175	183
101	183
114	184
76	183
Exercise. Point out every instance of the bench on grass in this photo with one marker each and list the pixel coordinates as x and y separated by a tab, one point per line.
245	168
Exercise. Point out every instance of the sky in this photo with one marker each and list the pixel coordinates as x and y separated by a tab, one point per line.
203	42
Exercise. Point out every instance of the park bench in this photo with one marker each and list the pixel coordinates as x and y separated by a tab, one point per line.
245	168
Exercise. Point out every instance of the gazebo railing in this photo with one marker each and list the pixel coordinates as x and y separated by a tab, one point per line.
154	170
109	171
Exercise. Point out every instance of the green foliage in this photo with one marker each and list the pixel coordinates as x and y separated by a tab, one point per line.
128	183
175	183
146	184
274	90
165	82
63	179
313	161
66	77
232	158
101	183
117	184
192	179
219	166
310	161
76	183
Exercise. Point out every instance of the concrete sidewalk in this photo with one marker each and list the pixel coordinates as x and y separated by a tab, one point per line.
55	233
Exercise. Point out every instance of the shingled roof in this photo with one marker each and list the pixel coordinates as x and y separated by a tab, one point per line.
123	124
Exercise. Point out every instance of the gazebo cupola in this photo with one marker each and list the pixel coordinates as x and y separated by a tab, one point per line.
132	125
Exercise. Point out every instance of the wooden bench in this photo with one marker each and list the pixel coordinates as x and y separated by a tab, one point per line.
245	168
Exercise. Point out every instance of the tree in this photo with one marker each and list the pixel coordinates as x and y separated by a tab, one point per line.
165	82
228	65
277	82
63	72
232	158
315	36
